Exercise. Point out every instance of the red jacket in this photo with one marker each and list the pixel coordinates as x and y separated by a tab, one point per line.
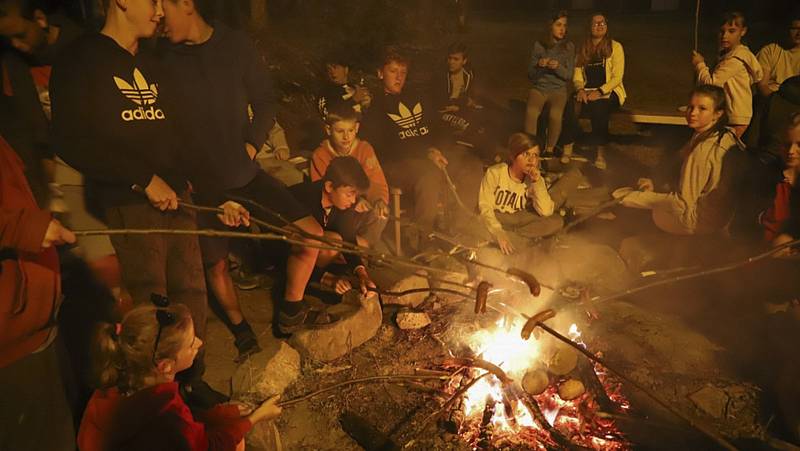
30	285
154	419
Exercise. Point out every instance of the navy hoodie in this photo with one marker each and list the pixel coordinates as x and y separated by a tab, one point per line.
210	87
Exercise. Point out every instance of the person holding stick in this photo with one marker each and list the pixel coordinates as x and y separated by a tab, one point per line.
737	70
137	404
110	124
700	203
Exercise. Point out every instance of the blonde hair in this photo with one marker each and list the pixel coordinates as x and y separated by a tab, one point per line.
124	359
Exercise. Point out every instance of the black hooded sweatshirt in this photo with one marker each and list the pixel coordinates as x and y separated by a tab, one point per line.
109	122
210	86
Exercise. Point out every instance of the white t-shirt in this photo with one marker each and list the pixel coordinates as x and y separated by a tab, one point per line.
500	192
778	64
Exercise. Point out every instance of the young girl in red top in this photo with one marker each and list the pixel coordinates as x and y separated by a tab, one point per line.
137	405
780	217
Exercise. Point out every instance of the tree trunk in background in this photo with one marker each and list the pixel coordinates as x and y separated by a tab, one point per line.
258	14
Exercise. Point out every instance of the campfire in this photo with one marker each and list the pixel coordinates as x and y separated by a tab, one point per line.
532	394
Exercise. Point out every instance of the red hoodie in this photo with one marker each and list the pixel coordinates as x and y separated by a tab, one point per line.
30	285
156	418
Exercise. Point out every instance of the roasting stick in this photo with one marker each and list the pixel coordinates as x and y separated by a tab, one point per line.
695	275
692	422
362	380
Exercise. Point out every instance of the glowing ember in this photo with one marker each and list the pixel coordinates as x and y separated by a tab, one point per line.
575	419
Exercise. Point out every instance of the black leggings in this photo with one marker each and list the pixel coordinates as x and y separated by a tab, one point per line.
599	113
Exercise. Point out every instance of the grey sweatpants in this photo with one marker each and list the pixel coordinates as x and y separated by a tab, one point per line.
557	99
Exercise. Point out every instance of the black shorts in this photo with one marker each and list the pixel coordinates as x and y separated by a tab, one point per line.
265	197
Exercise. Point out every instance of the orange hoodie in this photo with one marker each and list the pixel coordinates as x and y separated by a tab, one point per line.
365	154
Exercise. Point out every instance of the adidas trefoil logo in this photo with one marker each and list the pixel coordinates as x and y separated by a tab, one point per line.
409	120
142	94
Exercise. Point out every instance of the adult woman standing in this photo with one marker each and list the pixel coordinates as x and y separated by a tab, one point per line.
551	68
599	69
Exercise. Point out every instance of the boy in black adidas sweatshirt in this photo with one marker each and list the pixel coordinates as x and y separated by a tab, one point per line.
403	127
214	73
109	123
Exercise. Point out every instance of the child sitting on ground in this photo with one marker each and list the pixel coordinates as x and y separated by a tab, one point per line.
332	201
137	404
737	70
341	125
698	205
507	188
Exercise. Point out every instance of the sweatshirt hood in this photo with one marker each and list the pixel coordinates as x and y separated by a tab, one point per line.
743	54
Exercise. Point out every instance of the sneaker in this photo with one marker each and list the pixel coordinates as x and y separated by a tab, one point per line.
600	162
245	281
308	318
566	154
199	396
246	343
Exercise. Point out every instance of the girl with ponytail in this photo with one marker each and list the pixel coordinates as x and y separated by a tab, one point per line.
137	404
703	201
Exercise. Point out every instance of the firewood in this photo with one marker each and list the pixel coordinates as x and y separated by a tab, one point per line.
562	361
571	389
535	382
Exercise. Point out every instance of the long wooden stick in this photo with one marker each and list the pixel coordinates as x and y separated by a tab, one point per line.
696	23
695	275
362	380
690	421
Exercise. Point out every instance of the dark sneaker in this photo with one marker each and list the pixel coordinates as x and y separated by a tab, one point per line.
307	318
199	396
245	281
246	343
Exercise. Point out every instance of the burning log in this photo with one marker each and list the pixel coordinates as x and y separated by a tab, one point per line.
478	363
571	389
705	429
562	361
533	406
535	382
457	395
595	387
485	441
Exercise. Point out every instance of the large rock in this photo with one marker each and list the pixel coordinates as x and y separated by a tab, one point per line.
389	279
360	319
267	373
711	400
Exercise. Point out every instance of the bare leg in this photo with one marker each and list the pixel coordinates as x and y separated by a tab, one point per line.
220	283
301	262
